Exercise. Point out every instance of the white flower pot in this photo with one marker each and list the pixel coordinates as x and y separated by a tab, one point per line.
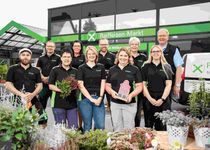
177	134
201	136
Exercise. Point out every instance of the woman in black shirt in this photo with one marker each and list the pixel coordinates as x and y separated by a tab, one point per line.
123	112
63	108
77	60
157	80
91	77
78	57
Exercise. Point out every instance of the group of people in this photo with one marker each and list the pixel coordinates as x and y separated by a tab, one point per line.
151	81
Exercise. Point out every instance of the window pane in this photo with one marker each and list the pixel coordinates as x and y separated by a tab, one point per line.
185	14
98	23
65	27
136	19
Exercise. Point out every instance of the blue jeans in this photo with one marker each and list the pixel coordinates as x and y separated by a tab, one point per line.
61	115
88	111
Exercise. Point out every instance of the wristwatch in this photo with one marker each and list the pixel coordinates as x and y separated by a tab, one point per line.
163	99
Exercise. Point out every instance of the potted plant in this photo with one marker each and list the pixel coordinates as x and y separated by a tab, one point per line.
16	125
3	72
199	110
177	126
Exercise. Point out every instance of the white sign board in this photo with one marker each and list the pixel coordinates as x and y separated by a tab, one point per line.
198	65
194	85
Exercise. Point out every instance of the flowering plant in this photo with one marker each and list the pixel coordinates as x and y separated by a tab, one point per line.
67	85
173	118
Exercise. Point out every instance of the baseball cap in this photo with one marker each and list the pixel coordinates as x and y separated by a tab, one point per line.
25	50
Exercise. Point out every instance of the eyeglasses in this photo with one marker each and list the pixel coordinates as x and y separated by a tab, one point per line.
155	51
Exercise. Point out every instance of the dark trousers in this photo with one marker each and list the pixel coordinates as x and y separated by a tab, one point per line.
62	115
139	108
44	95
40	110
149	110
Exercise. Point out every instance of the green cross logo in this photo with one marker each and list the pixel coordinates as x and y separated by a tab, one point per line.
91	36
198	68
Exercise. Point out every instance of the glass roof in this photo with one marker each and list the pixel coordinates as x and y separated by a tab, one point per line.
15	38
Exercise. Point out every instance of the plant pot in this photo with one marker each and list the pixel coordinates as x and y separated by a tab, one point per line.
202	135
177	134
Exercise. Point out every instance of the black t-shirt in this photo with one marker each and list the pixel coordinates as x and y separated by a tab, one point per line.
116	76
77	61
46	63
92	77
19	77
58	73
139	60
107	60
155	77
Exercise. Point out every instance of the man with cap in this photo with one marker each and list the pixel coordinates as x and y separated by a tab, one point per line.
24	81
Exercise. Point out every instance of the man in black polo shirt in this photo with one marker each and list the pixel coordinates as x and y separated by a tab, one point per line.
107	59
45	63
24	81
63	108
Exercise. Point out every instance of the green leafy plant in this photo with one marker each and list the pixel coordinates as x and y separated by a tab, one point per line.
3	71
92	140
18	126
173	118
67	85
199	105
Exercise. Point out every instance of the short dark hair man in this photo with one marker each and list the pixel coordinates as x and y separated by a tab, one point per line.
45	63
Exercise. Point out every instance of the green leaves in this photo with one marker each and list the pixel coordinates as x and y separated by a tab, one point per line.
66	86
17	125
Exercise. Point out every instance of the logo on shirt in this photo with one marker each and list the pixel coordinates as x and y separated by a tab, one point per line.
31	73
128	71
99	70
80	60
53	60
109	58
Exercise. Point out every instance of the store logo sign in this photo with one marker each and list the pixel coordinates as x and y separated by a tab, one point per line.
91	36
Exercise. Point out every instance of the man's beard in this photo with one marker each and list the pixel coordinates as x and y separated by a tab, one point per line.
25	61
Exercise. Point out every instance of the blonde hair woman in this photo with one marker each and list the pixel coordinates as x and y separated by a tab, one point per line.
157	81
91	77
123	112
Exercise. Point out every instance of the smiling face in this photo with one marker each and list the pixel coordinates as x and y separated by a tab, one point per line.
77	47
123	58
25	58
163	37
156	53
91	55
134	46
103	44
66	59
50	47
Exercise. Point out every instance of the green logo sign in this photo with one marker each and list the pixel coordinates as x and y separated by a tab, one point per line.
198	68
91	36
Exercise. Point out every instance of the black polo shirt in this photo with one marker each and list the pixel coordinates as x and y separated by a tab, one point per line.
58	73
107	60
19	77
77	61
92	77
116	76
155	77
139	60
46	63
